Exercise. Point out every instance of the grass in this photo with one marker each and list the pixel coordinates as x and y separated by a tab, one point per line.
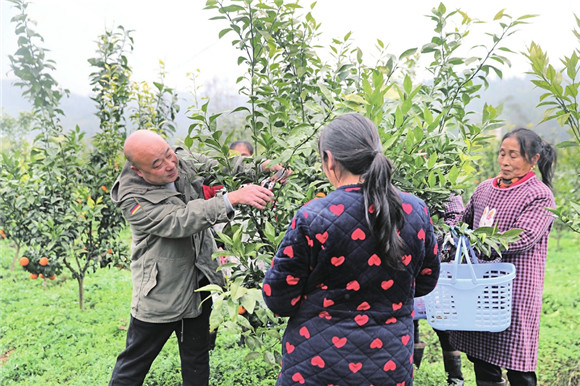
46	340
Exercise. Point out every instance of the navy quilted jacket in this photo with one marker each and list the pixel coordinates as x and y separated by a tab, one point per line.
351	318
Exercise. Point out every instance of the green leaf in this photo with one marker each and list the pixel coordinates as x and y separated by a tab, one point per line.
409	52
407	84
499	15
432	160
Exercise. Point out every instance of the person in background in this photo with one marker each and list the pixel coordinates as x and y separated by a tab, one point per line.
349	266
243	148
516	198
159	192
237	148
451	357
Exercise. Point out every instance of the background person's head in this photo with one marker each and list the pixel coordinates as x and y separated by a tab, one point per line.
352	141
151	157
244	148
521	150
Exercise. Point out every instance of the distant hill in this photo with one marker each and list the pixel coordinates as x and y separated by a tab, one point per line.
519	97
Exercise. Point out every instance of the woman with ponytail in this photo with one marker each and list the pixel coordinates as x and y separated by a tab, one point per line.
516	198
349	267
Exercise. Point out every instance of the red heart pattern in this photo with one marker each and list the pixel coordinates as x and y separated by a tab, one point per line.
325	315
304	332
361	320
291	280
355	367
374	260
406	259
337	209
358	234
317	361
322	237
338	342
377	343
426	271
336	261
387	284
390	366
327	302
295	300
405	339
364	306
290	347
421	234
293	224
289	251
397	306
353	285
297	377
267	289
309	241
408	208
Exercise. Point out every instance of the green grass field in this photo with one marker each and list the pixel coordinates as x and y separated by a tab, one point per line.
46	340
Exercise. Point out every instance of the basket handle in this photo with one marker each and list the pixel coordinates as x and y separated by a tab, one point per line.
464	249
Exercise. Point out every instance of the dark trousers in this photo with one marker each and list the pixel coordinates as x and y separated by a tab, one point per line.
442	335
145	341
491	373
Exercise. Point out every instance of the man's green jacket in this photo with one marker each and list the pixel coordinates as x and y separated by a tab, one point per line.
172	244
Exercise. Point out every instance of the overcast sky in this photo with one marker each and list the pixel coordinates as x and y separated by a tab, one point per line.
179	32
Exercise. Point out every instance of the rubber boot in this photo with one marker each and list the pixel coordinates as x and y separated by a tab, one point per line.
418	353
452	364
490	383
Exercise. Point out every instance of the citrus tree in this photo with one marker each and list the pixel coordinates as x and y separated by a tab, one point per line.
560	98
426	128
60	189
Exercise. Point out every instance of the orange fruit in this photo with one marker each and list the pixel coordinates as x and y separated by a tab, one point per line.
33	276
241	310
24	261
43	261
52	277
110	251
41	276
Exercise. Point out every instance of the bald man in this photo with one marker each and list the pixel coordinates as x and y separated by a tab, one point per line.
160	194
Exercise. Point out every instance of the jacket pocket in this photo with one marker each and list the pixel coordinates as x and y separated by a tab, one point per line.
152	282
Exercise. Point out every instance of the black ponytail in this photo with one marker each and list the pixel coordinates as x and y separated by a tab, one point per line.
530	145
354	142
547	163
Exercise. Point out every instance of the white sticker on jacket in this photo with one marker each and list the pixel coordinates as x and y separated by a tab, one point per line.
487	217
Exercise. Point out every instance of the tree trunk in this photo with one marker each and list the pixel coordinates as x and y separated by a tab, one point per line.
15	257
80	280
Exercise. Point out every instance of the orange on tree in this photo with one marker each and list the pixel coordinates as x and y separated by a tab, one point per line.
43	261
41	276
241	310
24	261
33	276
52	277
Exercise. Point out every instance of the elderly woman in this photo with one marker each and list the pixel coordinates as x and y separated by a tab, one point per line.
516	198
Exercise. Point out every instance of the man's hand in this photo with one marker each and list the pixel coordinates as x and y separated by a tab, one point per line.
274	169
254	195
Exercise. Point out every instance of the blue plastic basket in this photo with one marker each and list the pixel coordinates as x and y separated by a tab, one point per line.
420	310
471	297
